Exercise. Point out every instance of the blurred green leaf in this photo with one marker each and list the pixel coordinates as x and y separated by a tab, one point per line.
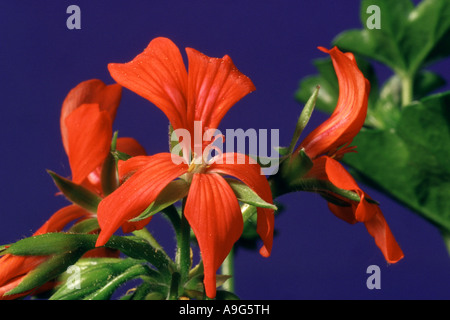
408	38
410	161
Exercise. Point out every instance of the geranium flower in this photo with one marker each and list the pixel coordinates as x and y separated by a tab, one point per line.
14	268
329	142
86	123
204	94
86	120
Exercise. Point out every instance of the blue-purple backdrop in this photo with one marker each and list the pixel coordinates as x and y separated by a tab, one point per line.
315	255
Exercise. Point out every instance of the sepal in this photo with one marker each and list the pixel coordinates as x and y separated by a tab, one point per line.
296	166
303	119
109	175
77	194
60	243
175	191
327	188
245	194
49	244
97	278
47	271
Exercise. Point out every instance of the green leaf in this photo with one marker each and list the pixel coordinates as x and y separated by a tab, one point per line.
410	162
245	194
408	38
76	193
385	112
175	191
327	80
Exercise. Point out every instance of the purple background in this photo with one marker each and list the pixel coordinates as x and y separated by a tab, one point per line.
315	255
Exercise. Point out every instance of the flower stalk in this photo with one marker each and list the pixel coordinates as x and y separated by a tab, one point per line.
183	254
407	82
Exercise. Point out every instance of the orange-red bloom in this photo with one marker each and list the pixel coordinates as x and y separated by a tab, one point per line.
14	268
330	141
86	121
205	93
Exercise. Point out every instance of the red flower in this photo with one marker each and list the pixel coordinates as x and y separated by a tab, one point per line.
86	121
87	117
330	141
205	93
14	268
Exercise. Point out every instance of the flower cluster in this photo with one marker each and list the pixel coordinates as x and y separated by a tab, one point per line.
114	183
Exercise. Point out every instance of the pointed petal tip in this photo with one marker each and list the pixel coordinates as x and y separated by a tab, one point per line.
323	49
264	252
102	239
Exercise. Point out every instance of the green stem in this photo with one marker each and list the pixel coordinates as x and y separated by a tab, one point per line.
407	89
227	268
172	214
174	286
183	255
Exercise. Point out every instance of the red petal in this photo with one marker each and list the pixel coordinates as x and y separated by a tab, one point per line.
362	211
61	218
15	266
214	86
89	138
130	166
384	239
249	172
345	213
213	212
130	146
350	112
136	193
12	271
88	92
341	178
158	74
